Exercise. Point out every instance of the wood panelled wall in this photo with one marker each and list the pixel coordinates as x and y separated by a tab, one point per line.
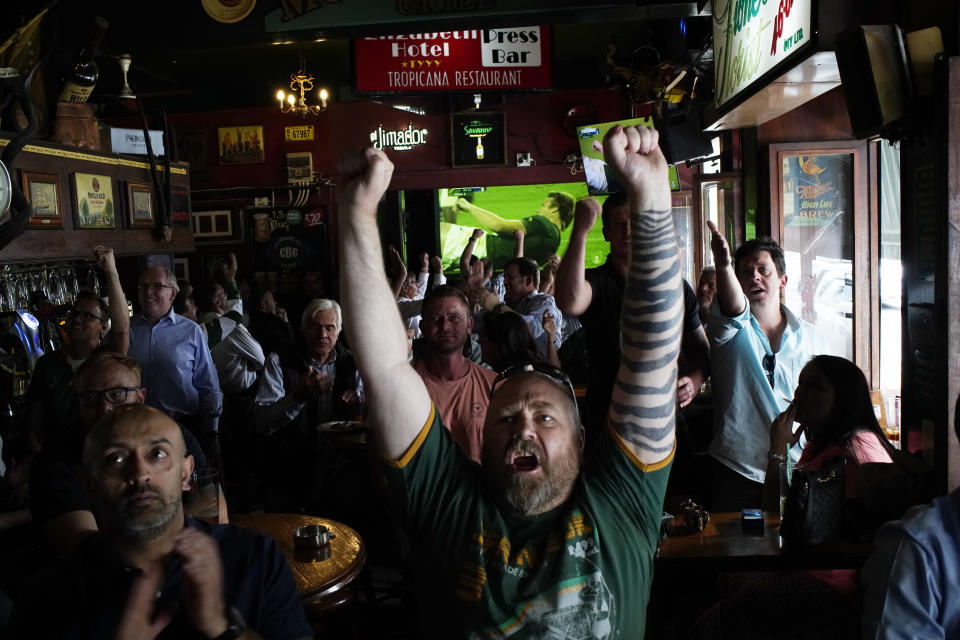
823	118
41	245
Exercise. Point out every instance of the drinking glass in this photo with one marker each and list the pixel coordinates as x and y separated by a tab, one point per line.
73	285
93	282
893	424
38	282
784	471
6	303
58	293
203	499
22	291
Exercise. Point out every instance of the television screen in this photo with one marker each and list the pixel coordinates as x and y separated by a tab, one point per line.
543	211
600	180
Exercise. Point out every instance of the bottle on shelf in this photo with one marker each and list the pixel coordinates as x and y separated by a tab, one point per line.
81	78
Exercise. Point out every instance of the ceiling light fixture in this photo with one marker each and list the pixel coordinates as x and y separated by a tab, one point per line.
301	82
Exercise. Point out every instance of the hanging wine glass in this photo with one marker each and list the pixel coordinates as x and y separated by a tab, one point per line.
6	304
22	291
38	282
93	281
57	290
73	283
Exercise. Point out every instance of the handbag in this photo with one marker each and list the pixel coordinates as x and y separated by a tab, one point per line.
815	507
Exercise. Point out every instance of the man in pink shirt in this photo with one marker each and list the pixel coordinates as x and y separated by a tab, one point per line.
459	387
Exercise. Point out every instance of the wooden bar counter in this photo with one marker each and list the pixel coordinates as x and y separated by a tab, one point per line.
724	545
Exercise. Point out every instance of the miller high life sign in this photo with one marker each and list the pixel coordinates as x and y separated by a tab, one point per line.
471	60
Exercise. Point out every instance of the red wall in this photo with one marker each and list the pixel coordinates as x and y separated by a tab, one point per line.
536	124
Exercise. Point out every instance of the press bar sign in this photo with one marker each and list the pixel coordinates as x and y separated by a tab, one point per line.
468	60
513	47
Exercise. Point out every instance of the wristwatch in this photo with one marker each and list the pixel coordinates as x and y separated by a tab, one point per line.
236	626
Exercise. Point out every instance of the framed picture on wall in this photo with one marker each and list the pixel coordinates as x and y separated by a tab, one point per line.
220	226
819	208
240	145
94	200
43	193
140	206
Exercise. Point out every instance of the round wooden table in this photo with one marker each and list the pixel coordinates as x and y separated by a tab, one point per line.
324	580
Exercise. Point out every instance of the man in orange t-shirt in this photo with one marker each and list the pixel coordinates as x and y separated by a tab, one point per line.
458	387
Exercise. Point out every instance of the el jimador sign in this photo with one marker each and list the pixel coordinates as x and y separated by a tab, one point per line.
753	37
471	60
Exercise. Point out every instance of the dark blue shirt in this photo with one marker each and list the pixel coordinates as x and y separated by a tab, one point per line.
84	594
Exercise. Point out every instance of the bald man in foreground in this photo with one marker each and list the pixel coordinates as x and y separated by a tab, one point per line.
151	572
528	542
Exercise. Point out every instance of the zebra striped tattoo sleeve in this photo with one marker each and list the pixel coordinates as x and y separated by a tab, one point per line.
643	405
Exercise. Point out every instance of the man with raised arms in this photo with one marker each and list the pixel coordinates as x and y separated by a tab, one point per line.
528	542
758	348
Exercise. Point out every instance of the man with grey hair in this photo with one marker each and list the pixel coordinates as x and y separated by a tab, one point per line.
311	383
316	378
178	372
151	570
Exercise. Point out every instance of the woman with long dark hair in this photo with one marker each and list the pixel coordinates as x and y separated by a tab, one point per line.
833	406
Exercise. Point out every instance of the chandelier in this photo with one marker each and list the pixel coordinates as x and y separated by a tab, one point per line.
301	82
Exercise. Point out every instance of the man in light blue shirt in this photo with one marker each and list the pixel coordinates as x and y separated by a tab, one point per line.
178	371
912	580
757	349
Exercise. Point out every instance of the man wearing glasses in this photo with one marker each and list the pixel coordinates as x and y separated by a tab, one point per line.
53	406
758	347
59	505
178	372
527	542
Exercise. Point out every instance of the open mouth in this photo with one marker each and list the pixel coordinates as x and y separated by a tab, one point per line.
524	462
